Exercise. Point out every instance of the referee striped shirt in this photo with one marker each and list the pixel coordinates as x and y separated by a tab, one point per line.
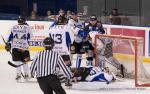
46	62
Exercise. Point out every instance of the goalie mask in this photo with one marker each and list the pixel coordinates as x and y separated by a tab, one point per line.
48	43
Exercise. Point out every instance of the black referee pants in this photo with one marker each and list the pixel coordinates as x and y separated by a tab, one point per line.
49	84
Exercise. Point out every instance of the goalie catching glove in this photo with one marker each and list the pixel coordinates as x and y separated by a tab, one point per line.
8	46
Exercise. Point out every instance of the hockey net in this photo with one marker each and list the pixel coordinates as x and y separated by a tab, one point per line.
118	50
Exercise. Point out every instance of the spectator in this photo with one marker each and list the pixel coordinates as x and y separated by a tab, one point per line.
62	16
114	17
33	16
49	16
69	14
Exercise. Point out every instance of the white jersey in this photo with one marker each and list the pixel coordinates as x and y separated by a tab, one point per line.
76	26
92	36
19	36
97	75
63	37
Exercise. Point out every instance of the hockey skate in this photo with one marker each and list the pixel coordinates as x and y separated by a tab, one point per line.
68	83
26	77
18	77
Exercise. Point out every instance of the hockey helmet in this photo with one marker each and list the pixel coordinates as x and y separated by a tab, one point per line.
48	43
93	18
21	19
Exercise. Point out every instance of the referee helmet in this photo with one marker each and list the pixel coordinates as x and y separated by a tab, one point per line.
48	43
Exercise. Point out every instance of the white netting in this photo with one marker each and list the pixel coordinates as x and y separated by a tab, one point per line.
113	50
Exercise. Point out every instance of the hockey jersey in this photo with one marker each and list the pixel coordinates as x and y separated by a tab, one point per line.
19	36
63	37
76	26
96	74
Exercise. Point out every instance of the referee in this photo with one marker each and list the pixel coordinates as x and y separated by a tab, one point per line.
44	66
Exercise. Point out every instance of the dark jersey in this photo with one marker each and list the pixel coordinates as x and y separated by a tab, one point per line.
97	27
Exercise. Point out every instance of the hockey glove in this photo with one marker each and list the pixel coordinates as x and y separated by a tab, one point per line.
82	33
8	46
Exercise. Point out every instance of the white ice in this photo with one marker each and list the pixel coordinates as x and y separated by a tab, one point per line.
8	85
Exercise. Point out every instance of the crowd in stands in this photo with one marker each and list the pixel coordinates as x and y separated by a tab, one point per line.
66	15
114	17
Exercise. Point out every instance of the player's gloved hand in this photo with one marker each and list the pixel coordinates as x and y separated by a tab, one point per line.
82	33
8	46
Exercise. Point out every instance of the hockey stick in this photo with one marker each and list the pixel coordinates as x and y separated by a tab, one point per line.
10	63
14	65
5	43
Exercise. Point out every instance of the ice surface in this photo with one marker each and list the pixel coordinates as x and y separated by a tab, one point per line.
8	85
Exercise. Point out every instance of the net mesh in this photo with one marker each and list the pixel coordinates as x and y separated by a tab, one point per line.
122	50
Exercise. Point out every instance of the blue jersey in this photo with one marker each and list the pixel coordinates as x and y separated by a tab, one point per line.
96	28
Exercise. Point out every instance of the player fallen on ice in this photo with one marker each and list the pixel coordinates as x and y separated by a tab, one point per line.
92	73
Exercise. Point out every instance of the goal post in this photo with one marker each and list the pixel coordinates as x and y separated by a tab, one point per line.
122	50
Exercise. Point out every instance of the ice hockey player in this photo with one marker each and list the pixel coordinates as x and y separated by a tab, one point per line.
92	73
18	40
94	26
80	37
63	37
44	66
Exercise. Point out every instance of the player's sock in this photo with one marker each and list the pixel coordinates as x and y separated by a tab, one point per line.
18	71
25	68
78	61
